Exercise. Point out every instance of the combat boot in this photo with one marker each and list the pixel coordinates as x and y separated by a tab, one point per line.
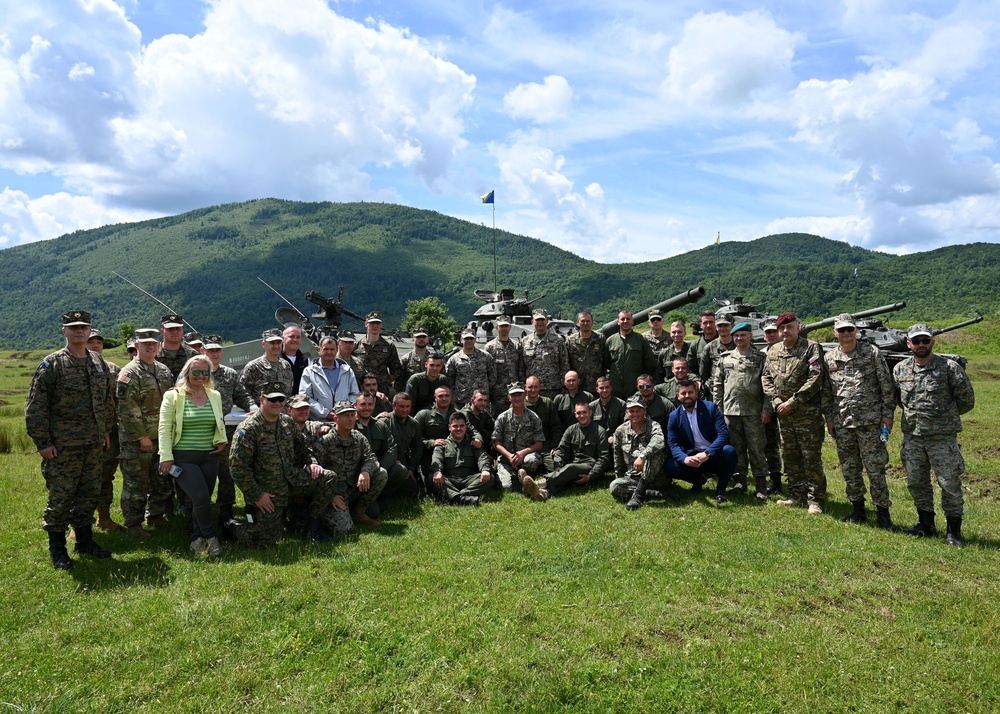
85	543
654	495
359	516
465	500
760	488
531	488
925	528
954	536
775	486
157	522
57	550
225	514
638	496
884	520
138	532
104	521
315	531
858	515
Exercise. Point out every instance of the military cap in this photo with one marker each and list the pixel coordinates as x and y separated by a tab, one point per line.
194	338
655	314
635	401
347	336
273	389
919	330
503	320
540	312
172	321
421	331
770	324
298	400
373	316
741	326
844	320
131	345
468	332
272	335
95	333
343	406
76	317
515	387
785	317
213	342
147	335
722	318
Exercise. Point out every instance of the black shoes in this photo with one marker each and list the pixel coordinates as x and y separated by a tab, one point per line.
858	515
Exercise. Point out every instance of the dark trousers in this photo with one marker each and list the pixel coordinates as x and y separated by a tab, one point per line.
722	464
198	473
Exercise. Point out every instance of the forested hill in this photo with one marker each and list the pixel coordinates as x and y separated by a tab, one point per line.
205	263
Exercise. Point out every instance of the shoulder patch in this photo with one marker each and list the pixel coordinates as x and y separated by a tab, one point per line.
44	364
123	377
241	432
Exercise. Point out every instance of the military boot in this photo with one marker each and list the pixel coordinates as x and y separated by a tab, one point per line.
775	486
315	531
138	532
104	521
57	550
359	516
638	496
858	515
225	514
954	536
925	528
85	543
760	488
884	520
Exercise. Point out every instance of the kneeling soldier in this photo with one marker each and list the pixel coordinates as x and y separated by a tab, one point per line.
461	471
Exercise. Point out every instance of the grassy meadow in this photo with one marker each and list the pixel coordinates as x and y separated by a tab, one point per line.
571	605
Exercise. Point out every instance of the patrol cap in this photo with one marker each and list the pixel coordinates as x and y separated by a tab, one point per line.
272	335
347	336
539	313
298	400
273	389
515	387
373	316
147	335
343	407
76	317
770	324
503	320
741	327
722	318
131	345
95	333
468	332
421	331
844	320
655	314
635	401
213	342
194	338
172	320
919	330
785	317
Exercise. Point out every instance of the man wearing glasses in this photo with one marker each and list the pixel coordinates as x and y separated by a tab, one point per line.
933	392
858	400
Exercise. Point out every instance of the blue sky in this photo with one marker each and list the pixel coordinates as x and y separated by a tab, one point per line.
620	131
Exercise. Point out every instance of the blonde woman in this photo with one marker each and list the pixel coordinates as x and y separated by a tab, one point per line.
192	435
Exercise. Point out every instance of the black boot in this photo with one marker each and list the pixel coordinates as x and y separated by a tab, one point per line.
925	528
85	543
225	514
652	495
885	520
775	486
954	536
315	531
858	515
638	496
57	549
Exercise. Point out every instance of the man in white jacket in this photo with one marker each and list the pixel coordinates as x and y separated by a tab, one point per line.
328	381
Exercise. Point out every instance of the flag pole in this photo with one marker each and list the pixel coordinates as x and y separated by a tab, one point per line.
495	288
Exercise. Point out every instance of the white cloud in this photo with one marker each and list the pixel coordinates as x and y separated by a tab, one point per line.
540	103
853	229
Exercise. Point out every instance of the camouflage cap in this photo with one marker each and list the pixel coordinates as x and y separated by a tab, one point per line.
785	318
373	316
343	406
194	338
540	312
273	390
741	327
131	345
919	330
468	332
213	342
272	335
347	336
515	387
76	317
770	324
503	320
635	401
421	331
95	333
298	400
844	320
722	318
172	320
147	335
655	314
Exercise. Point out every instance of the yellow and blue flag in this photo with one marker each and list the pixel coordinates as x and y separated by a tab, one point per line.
718	239
488	198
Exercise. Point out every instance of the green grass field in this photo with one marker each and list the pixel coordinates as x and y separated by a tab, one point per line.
574	604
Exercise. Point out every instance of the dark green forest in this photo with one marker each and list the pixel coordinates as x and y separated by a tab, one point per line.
204	264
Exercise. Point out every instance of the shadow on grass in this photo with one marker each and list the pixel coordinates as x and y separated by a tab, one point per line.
112	574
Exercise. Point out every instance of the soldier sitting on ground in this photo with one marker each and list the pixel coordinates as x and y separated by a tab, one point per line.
581	457
518	438
461	472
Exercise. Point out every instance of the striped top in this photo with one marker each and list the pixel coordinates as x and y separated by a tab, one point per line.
199	428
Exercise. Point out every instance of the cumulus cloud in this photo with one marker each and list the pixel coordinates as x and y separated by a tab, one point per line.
540	103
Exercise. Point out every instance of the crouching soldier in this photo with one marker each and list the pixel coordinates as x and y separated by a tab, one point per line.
461	471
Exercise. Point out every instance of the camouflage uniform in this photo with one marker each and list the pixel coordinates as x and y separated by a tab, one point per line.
140	390
461	464
70	405
627	358
260	372
110	461
628	446
515	433
737	391
657	344
469	373
227	384
665	360
933	397
545	357
508	366
348	458
710	357
857	395
695	352
174	360
421	390
381	359
383	445
580	452
611	416
565	405
797	374
412	363
357	366
586	358
270	457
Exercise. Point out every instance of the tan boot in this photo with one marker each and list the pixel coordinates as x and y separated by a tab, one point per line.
138	532
359	516
104	521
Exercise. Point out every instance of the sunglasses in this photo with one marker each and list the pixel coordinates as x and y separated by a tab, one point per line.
921	340
646	385
201	373
275	400
845	329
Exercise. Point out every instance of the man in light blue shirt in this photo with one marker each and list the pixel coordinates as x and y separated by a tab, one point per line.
328	381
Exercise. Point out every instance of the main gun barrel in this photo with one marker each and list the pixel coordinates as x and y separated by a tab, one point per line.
871	312
684	298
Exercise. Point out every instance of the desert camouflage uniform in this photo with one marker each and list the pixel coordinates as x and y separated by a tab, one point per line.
737	391
857	395
174	360
515	433
270	457
797	374
145	491
461	465
469	373
932	398
110	462
260	372
227	384
710	357
628	446
580	452
586	358
70	405
421	390
381	359
611	416
348	458
508	366
545	357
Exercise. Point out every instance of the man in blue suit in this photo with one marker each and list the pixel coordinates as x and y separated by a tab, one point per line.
698	441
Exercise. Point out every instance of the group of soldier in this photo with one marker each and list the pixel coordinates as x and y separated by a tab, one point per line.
323	445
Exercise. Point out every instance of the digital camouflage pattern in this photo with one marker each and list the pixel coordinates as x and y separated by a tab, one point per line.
586	358
629	445
515	433
348	458
469	372
381	359
508	366
175	359
260	372
110	461
858	390
412	363
227	384
737	390
545	357
860	449
710	356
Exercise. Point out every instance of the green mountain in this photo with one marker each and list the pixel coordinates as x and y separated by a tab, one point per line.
204	264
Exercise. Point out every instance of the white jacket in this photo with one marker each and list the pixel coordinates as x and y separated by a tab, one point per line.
315	385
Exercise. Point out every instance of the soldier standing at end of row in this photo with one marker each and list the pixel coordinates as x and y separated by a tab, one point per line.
269	368
545	355
508	364
173	352
377	354
586	352
933	392
68	413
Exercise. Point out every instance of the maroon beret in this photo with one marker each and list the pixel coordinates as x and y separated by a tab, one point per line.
786	317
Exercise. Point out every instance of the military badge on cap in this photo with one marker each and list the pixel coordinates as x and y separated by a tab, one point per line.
785	319
76	317
298	401
343	407
421	332
515	387
272	335
194	338
172	321
373	316
635	401
655	314
468	332
273	389
347	336
539	313
213	342
147	335
919	330
843	320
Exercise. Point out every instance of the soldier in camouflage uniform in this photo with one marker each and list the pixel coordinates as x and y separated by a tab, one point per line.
360	479
508	364
173	352
793	381
68	412
609	410
146	493
517	439
737	391
460	471
416	360
469	369
545	355
709	332
586	352
772	449
273	465
480	420
933	392
346	343
422	385
639	453
859	399
269	368
378	355
96	344
722	344
658	339
583	456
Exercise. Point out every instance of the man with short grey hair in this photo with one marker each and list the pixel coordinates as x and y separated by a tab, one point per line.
328	381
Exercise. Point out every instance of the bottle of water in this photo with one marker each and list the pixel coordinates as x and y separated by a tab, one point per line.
884	435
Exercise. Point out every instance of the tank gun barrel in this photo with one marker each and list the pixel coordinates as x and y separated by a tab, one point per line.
684	298
957	325
534	300
892	307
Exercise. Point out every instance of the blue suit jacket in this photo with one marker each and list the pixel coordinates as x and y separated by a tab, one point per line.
711	423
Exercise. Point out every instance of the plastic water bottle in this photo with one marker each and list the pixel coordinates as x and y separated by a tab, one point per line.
883	435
